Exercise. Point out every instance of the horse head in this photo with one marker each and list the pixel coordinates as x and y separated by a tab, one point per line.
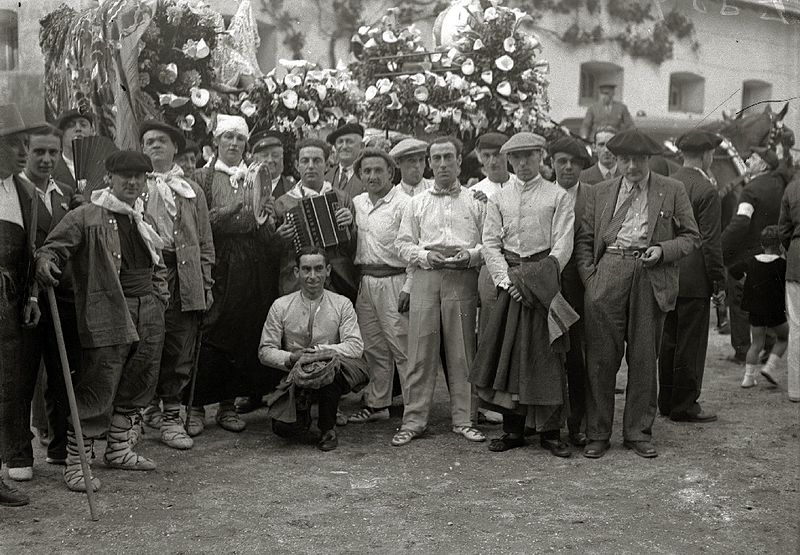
759	131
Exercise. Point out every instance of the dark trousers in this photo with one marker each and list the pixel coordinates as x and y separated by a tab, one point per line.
55	390
682	358
577	381
123	375
180	338
740	323
326	397
622	318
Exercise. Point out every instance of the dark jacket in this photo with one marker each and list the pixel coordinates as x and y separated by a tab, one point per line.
597	116
61	201
789	224
62	174
592	175
741	239
354	185
28	202
571	284
88	236
671	225
703	267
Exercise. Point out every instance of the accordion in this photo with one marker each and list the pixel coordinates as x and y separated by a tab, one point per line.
314	222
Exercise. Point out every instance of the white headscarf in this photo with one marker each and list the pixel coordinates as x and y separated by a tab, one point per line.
226	123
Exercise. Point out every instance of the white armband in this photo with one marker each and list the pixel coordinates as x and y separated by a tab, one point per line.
745	209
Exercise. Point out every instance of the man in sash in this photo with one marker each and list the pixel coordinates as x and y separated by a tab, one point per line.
527	241
348	142
19	311
635	228
55	200
120	297
383	295
440	234
74	124
410	155
178	207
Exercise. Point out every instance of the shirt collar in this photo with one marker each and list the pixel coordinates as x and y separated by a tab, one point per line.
385	199
606	171
528	185
641	184
453	190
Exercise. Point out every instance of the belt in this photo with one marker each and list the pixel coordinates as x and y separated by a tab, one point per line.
513	259
627	252
380	270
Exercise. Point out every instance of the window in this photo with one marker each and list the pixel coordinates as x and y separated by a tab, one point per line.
9	45
753	91
594	74
686	92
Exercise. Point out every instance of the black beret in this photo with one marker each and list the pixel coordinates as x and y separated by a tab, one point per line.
633	142
570	146
128	161
698	140
346	129
190	146
264	139
491	141
66	117
174	133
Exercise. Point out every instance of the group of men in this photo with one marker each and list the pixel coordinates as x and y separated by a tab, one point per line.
163	271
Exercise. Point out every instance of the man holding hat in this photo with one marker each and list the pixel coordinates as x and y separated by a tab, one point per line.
242	291
527	241
19	311
267	147
120	297
682	357
74	124
411	155
606	166
348	142
440	234
635	229
605	112
178	207
569	157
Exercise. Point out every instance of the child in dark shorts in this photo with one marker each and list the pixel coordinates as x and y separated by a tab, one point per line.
764	298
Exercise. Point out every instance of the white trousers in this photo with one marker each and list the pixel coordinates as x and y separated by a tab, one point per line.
793	316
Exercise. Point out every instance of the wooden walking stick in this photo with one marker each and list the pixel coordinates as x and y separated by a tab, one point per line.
73	404
195	362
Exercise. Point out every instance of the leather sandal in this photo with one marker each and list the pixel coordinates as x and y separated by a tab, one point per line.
404	437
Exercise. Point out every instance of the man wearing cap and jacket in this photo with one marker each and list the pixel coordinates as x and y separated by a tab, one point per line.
568	158
527	241
348	142
19	311
267	147
178	207
120	297
682	357
635	229
606	166
411	155
605	112
74	124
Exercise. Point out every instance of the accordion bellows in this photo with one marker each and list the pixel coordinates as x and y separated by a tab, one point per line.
314	221
90	155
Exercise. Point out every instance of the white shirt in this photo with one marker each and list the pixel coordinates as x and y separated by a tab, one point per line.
47	194
412	190
10	208
491	188
275	183
607	172
572	192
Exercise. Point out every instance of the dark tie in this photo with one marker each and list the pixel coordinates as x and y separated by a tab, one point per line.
343	179
615	224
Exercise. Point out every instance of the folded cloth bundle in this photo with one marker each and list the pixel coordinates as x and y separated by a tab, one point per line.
315	375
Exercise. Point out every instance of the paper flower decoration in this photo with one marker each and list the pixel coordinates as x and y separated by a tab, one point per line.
389	37
421	93
186	123
322	91
313	114
299	122
486	76
248	108
200	97
478	44
490	14
168	74
196	50
371	43
418	79
395	104
504	88
289	99
504	62
291	80
384	85
171	100
509	45
468	67
371	92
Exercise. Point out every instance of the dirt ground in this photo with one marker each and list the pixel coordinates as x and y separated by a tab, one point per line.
725	487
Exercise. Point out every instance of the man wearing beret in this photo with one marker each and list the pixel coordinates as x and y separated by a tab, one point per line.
606	112
178	207
527	241
19	311
74	124
440	235
569	157
606	166
411	155
682	357
635	229
120	297
348	142
187	157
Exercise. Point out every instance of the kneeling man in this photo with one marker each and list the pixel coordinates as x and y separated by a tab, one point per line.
313	335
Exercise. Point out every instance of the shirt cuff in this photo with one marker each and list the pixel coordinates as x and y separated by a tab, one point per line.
505	283
422	259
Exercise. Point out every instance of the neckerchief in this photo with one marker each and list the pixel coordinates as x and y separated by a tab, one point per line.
235	173
106	199
169	183
300	190
453	190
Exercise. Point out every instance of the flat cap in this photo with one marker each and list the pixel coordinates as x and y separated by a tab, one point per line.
407	147
11	121
698	140
128	161
491	141
190	146
70	115
346	129
174	133
264	139
633	142
523	141
569	146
